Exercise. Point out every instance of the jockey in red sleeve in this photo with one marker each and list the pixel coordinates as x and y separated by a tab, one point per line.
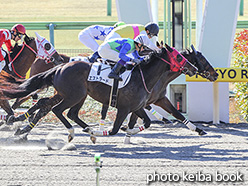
16	33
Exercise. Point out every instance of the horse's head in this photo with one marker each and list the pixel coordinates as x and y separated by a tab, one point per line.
44	49
205	69
177	62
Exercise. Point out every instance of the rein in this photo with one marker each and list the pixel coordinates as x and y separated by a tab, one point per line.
143	80
172	67
11	63
39	45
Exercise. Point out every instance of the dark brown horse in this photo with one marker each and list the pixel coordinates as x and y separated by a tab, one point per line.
204	69
38	66
158	95
131	98
22	57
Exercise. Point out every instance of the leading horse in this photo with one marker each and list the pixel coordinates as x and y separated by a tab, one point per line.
131	98
22	57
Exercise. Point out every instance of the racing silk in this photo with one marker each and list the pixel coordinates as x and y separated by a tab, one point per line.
99	32
124	46
129	30
5	38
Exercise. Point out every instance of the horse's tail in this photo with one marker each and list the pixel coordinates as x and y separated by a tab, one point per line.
12	88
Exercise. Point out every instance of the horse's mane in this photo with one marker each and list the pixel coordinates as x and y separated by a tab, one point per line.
28	39
154	54
186	52
17	47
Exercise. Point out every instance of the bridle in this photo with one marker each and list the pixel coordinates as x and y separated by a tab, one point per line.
203	70
40	46
205	67
175	66
37	54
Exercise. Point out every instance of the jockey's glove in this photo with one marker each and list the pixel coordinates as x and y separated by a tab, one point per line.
137	61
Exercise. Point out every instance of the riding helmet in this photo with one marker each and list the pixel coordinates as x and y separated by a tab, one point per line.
152	28
19	28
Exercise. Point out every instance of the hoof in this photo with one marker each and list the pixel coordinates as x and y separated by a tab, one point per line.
18	132
70	138
124	128
21	138
10	120
1	123
166	121
87	130
25	130
127	139
200	132
93	139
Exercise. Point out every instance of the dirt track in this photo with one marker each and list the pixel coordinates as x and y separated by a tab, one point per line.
165	153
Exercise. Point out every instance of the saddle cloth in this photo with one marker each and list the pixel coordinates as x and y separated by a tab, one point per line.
99	72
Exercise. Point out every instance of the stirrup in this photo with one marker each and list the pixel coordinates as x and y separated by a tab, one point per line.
115	76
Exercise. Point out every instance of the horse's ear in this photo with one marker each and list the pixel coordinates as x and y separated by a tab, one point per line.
168	48
194	50
26	38
38	36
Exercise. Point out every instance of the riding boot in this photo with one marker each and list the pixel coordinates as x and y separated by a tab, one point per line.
94	57
114	74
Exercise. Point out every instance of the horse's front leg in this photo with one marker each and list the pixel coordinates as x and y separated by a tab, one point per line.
131	123
103	116
120	117
146	120
167	106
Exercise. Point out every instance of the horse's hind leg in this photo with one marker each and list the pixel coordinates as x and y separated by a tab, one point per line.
6	107
19	101
61	107
45	105
73	114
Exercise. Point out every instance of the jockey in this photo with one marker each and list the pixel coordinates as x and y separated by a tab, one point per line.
133	30
16	33
117	50
91	34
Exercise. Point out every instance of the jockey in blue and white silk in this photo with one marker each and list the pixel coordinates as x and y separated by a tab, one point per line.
90	35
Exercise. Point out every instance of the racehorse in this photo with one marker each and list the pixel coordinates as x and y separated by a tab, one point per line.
38	66
204	69
158	95
131	98
22	57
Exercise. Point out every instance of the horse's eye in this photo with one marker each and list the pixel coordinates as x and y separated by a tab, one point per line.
47	46
179	58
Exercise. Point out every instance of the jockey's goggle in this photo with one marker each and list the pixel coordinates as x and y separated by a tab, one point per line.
19	35
151	34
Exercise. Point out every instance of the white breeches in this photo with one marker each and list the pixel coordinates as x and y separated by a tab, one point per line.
106	52
85	37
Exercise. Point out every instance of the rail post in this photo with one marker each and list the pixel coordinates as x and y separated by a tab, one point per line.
51	32
109	6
